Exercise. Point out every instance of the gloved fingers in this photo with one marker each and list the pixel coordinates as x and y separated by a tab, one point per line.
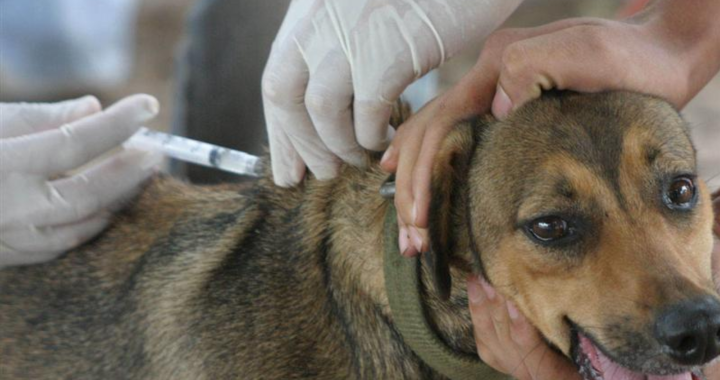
318	158
17	119
288	167
328	99
372	116
59	150
32	245
284	85
101	187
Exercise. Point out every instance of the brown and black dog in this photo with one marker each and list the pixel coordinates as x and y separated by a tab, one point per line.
585	210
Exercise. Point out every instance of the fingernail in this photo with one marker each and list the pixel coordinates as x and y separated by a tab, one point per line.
489	290
147	103
416	239
386	156
153	105
88	105
502	105
512	311
475	292
403	240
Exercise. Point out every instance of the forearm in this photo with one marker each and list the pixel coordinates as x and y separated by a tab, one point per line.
692	33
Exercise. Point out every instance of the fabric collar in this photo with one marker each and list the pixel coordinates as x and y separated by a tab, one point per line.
402	283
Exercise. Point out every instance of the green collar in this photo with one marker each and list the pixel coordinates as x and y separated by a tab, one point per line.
403	282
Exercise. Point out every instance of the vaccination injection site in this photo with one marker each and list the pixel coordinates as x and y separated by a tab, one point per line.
365	189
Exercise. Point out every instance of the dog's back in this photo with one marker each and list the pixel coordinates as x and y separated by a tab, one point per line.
104	309
194	282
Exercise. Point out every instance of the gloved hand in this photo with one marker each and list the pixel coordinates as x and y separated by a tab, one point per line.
42	213
337	66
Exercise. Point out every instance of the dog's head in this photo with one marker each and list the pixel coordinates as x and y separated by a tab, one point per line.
587	212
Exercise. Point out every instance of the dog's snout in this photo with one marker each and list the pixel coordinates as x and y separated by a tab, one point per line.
690	331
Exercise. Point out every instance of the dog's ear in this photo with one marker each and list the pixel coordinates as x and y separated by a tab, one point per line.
449	178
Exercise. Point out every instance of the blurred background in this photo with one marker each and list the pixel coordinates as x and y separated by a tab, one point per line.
203	59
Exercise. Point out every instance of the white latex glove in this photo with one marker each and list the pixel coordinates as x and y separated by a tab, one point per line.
42	213
337	66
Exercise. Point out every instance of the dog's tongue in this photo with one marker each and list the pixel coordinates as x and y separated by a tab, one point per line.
612	371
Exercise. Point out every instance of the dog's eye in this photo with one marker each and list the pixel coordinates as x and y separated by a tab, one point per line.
549	228
680	194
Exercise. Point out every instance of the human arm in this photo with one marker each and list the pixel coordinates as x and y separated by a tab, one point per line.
46	212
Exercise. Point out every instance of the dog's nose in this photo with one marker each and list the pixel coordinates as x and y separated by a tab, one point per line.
690	331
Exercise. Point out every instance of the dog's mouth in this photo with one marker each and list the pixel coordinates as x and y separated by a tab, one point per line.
593	364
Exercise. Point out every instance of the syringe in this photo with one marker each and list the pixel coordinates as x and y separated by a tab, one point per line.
197	152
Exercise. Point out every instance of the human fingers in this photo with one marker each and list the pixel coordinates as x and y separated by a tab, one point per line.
293	138
17	119
473	94
499	312
507	342
31	245
68	200
586	58
59	150
371	122
329	99
406	248
412	161
539	361
101	187
486	338
411	140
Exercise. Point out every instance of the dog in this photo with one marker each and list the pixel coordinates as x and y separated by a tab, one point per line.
585	210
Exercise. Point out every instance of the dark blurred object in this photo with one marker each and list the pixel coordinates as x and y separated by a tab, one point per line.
220	67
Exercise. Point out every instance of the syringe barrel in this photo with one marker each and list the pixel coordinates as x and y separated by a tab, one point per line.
196	152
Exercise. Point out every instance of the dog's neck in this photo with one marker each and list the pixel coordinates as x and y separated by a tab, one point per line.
355	216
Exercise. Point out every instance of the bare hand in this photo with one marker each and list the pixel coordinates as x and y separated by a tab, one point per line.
506	340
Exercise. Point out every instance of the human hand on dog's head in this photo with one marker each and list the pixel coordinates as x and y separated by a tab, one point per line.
507	342
660	53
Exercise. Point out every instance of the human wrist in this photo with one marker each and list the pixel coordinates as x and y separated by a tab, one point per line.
690	37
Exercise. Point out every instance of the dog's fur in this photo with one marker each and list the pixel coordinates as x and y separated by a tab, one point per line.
264	282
